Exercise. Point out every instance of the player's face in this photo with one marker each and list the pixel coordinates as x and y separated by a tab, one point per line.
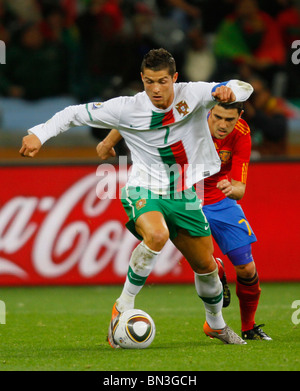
159	87
222	121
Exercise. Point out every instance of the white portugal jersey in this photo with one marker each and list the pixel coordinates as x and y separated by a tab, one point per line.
170	148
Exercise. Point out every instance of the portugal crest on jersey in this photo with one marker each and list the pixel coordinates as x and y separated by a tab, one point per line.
140	203
182	108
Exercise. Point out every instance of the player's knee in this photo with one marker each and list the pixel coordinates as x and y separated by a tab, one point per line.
246	271
243	262
157	239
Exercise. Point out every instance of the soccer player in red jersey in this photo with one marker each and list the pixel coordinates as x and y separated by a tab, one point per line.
229	226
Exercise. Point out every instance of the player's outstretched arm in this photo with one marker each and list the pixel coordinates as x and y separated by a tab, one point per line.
232	91
105	149
31	145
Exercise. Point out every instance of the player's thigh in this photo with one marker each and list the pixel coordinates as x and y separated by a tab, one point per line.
229	225
197	250
153	229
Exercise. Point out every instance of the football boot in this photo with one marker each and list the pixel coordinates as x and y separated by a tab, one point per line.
226	290
115	316
226	335
256	333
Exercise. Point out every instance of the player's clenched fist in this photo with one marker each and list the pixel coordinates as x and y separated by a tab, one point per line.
104	151
225	186
31	144
224	94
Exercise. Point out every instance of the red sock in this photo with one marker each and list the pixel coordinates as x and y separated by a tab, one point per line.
220	267
248	292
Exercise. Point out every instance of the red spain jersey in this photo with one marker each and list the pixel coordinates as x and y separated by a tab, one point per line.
234	152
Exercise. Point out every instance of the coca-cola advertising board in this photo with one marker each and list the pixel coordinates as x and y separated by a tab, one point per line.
66	225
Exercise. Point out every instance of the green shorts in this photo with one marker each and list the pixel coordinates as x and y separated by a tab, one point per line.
181	211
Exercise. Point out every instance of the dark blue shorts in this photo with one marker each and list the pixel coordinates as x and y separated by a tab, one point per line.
229	225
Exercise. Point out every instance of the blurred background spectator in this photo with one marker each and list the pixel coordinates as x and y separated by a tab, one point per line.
25	10
250	41
84	50
199	62
267	118
8	22
36	68
100	28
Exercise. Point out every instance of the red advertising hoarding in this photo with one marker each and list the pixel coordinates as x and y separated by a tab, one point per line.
56	229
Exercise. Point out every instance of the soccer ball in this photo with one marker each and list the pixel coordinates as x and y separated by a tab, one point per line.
135	330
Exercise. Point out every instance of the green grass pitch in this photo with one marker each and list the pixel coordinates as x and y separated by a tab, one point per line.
64	329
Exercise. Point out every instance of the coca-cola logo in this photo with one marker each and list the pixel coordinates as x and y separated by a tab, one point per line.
76	231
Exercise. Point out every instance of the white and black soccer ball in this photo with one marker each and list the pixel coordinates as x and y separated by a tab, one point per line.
134	330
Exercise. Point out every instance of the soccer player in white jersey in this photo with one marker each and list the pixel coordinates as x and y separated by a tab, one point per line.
165	128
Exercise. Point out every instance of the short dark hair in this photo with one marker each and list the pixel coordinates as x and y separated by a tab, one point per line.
158	59
236	105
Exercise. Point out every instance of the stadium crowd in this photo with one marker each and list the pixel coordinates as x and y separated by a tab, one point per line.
91	50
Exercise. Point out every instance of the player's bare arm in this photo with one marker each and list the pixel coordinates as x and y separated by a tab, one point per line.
224	94
105	149
234	189
31	145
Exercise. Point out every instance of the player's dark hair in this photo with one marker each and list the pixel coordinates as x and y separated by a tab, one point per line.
158	59
236	105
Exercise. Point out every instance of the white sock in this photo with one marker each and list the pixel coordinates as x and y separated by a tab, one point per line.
209	288
141	264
